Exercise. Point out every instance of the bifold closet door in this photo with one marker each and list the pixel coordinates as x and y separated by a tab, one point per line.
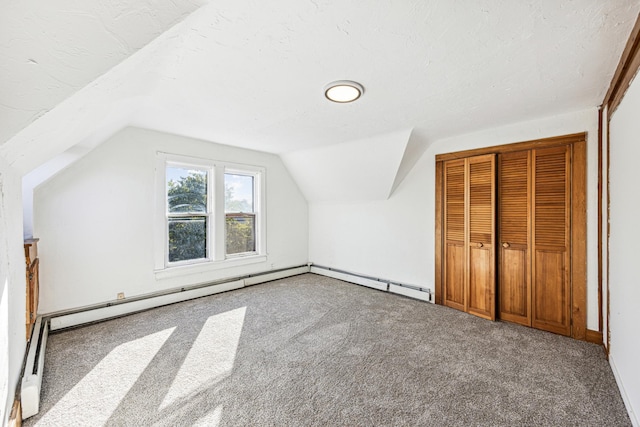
551	291
469	217
454	234
514	231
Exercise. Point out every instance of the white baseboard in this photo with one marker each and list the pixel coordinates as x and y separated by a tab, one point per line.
32	382
120	309
408	292
267	277
380	284
346	277
623	393
123	307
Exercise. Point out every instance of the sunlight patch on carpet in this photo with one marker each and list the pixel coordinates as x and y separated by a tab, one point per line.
94	399
211	357
211	419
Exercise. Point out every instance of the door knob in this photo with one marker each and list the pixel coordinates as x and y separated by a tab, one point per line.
505	245
480	245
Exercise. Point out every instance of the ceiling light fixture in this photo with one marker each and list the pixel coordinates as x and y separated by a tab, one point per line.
343	91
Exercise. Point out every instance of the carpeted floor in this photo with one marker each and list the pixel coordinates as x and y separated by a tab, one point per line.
314	351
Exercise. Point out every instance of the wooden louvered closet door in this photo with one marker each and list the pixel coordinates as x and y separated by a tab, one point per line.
454	234
514	225
551	212
534	207
510	233
469	231
481	231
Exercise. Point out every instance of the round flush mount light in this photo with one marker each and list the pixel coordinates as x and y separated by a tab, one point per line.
343	91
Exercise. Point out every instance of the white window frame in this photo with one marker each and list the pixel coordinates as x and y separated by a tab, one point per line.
208	214
216	247
257	177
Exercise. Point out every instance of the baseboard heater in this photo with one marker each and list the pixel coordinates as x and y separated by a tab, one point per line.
411	291
113	309
34	366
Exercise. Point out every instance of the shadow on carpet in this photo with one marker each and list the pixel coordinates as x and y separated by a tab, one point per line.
315	351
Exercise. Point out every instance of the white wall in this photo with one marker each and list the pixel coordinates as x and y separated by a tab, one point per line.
364	169
95	220
12	287
394	239
624	252
41	174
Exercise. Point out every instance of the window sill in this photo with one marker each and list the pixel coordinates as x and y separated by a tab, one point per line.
203	267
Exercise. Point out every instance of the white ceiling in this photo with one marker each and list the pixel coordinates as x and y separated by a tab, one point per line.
251	73
52	49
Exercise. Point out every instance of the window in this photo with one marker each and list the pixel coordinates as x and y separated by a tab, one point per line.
188	213
211	213
240	217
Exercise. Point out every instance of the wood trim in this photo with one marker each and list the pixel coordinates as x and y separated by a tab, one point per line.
15	418
600	118
517	146
579	240
578	218
626	70
467	214
594	337
438	234
608	346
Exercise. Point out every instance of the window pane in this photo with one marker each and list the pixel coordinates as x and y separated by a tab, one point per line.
186	189
187	238
238	193
241	233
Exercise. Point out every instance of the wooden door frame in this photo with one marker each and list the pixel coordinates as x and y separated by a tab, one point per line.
578	142
628	67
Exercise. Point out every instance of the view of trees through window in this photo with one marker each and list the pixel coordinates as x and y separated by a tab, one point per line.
188	217
187	204
240	219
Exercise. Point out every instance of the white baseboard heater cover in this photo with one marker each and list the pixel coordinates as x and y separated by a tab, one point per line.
410	291
145	302
346	277
34	367
127	307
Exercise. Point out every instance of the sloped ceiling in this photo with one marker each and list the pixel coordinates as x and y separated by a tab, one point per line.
52	49
251	73
352	171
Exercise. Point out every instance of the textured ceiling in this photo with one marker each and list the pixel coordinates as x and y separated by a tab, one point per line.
251	73
51	49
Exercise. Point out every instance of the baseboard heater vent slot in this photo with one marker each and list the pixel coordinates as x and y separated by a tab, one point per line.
34	369
411	291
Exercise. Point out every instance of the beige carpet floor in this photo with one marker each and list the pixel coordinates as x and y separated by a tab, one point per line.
314	351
